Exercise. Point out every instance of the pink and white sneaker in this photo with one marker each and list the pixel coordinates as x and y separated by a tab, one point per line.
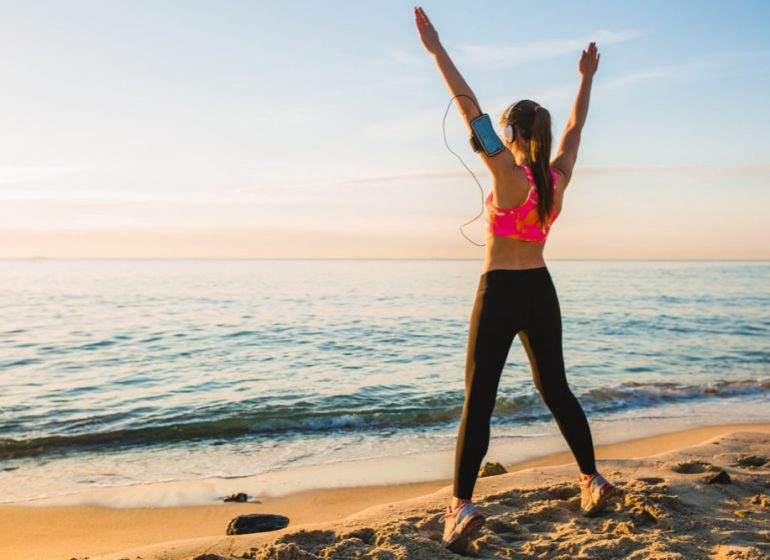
460	526
595	493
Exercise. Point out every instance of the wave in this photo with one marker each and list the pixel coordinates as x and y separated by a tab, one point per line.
330	416
633	394
278	421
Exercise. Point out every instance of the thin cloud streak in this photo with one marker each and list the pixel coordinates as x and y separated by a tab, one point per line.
407	58
758	169
496	56
636	77
32	173
691	70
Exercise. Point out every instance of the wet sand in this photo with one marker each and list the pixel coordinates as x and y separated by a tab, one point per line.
665	512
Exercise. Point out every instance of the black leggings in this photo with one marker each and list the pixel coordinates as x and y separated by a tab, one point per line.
510	302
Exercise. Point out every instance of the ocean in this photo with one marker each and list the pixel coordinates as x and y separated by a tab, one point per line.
118	373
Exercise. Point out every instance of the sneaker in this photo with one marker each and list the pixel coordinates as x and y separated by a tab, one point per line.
595	493
460	526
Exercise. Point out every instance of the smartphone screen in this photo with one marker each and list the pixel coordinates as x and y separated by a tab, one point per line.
485	132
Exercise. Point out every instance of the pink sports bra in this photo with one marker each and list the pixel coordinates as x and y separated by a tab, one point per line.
521	222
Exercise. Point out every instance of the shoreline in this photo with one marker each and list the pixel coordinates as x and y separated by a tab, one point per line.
392	464
51	532
471	259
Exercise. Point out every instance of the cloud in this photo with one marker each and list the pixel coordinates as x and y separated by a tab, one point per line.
686	70
32	173
636	77
405	177
280	117
496	56
751	170
426	124
758	169
407	58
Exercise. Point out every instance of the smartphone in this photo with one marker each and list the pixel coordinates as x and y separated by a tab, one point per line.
484	136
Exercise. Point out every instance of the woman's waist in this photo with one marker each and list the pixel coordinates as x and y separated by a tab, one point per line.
513	254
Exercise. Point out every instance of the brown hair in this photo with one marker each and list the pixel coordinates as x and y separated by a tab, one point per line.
534	124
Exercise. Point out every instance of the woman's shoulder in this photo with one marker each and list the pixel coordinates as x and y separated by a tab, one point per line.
511	174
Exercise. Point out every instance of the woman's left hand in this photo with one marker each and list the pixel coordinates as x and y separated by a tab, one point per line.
428	34
589	61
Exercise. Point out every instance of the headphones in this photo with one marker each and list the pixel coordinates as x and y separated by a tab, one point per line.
509	132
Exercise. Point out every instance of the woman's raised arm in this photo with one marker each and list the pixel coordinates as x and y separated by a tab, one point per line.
570	140
500	164
469	108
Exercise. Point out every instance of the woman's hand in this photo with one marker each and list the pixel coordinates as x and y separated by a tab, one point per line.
428	35
589	61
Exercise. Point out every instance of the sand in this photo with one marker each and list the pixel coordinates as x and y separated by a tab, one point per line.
665	512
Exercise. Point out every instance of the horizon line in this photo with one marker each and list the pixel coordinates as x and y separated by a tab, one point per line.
609	259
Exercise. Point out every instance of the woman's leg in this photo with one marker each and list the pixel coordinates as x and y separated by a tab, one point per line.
490	335
542	341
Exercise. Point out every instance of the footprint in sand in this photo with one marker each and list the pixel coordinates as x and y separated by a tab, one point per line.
555	492
751	461
509	531
365	534
692	467
511	498
652	479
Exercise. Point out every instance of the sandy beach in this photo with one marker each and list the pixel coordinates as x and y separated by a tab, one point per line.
666	511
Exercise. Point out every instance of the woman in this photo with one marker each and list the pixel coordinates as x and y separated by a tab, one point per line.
515	293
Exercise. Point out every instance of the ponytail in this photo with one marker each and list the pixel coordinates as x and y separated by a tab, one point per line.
534	123
540	156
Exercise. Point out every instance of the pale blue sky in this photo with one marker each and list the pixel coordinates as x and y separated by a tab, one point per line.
264	129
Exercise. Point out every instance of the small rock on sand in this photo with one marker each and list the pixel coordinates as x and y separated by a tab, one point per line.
491	469
239	497
719	478
256	523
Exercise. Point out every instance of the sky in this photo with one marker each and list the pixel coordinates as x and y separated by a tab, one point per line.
306	129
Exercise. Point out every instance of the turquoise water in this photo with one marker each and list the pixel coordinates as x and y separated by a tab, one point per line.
124	372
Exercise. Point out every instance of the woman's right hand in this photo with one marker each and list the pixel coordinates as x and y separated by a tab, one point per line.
589	61
428	34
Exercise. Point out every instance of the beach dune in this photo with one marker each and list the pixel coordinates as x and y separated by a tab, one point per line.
666	511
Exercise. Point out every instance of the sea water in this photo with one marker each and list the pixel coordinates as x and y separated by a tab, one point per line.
118	373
